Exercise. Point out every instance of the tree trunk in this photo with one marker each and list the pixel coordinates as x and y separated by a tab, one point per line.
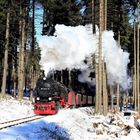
6	56
33	81
111	96
100	56
96	74
133	94
118	86
21	56
135	65
93	17
32	52
138	57
15	81
32	85
127	101
105	15
118	96
105	100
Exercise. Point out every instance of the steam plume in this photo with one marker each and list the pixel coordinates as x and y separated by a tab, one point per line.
71	45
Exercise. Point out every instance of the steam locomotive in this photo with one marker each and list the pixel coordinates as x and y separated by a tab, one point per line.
50	95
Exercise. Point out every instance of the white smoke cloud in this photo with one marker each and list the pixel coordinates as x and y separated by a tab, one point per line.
71	45
116	60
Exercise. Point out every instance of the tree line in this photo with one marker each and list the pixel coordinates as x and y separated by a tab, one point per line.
18	47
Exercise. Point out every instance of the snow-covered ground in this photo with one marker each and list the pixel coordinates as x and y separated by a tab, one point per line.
70	124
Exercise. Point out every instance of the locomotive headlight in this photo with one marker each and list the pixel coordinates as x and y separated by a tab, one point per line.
37	98
50	98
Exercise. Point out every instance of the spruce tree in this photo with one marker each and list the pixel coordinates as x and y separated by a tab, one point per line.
60	12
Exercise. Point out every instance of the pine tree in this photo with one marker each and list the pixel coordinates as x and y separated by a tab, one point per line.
21	53
60	12
118	85
3	14
6	54
91	12
100	56
138	46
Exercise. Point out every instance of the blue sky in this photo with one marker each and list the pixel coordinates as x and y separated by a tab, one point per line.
38	20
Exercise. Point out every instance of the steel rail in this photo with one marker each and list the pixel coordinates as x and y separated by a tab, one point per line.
19	121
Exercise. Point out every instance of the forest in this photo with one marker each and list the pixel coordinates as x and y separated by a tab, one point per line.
20	52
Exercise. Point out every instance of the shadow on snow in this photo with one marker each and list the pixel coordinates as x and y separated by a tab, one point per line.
36	130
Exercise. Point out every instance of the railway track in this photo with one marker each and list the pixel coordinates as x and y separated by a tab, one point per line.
19	121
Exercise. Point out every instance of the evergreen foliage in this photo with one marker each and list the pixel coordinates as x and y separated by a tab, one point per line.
63	12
